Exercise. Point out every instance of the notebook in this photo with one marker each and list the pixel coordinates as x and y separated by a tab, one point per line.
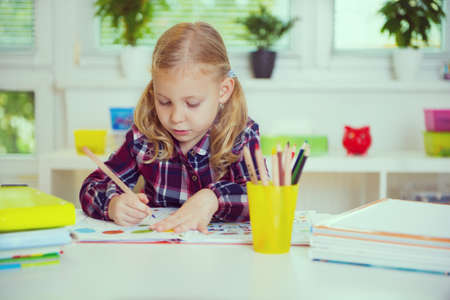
89	230
23	207
387	233
394	221
35	238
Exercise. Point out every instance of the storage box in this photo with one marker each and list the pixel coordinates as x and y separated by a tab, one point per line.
94	139
437	119
319	143
121	117
437	143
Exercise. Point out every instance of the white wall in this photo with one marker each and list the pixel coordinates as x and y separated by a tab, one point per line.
312	89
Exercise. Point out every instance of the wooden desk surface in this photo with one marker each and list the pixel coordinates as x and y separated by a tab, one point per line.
100	271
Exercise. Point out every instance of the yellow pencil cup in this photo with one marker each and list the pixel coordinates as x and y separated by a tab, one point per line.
272	211
94	139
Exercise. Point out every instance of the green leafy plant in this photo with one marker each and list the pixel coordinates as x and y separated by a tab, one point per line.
263	28
133	15
410	20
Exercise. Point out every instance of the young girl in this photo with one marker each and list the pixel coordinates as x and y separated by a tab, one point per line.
190	127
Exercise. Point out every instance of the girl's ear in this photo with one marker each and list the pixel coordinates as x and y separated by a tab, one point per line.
226	89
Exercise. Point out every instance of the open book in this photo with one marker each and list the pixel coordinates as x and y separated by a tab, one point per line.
89	230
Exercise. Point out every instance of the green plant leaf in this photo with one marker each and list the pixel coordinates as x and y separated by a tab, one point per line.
263	29
410	21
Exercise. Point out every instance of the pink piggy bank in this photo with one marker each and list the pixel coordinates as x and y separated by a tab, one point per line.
356	140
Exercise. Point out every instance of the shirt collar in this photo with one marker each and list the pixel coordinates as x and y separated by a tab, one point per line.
200	148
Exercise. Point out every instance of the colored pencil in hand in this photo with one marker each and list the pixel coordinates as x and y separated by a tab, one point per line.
107	171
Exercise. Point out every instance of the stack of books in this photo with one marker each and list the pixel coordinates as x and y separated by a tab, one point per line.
395	234
32	227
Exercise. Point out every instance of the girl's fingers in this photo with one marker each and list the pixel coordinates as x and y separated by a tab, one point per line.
138	205
122	222
134	213
143	198
182	228
203	228
168	223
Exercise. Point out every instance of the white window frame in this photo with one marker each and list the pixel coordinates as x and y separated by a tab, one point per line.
368	59
32	71
41	84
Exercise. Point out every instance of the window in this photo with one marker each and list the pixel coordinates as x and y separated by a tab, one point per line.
17	122
367	36
16	24
219	13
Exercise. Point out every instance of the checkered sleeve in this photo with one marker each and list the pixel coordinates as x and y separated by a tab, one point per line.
98	189
232	191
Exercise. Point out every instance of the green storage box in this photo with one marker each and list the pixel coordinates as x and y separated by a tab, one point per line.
319	143
437	143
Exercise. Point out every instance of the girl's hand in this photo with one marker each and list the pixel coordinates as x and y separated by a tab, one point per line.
128	209
195	214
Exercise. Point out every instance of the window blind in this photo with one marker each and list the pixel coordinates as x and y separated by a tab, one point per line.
221	14
16	24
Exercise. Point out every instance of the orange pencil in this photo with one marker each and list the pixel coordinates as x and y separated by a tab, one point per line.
261	165
275	171
287	165
280	164
250	166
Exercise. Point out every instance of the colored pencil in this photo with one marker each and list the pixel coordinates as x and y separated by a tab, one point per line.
298	161
280	164
107	171
30	257
287	165
261	166
26	265
250	166
302	165
275	171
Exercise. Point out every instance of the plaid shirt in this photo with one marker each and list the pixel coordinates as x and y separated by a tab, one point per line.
171	182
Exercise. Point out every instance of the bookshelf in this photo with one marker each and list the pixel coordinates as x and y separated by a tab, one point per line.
381	164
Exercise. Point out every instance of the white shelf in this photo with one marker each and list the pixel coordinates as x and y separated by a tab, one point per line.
391	162
394	162
379	163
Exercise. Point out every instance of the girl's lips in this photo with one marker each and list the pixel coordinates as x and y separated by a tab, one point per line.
181	132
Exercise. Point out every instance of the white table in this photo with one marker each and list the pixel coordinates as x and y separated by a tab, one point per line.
101	271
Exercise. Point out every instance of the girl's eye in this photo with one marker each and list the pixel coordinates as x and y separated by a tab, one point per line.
163	102
194	104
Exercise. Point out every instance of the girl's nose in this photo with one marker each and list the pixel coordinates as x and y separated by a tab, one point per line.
177	114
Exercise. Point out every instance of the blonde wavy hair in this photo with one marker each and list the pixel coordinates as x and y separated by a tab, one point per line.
194	44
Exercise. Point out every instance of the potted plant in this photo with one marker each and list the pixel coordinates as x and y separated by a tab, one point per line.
263	30
131	19
410	23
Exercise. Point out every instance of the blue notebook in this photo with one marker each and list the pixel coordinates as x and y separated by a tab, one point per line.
34	238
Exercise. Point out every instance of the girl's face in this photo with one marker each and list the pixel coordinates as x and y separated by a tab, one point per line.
187	103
